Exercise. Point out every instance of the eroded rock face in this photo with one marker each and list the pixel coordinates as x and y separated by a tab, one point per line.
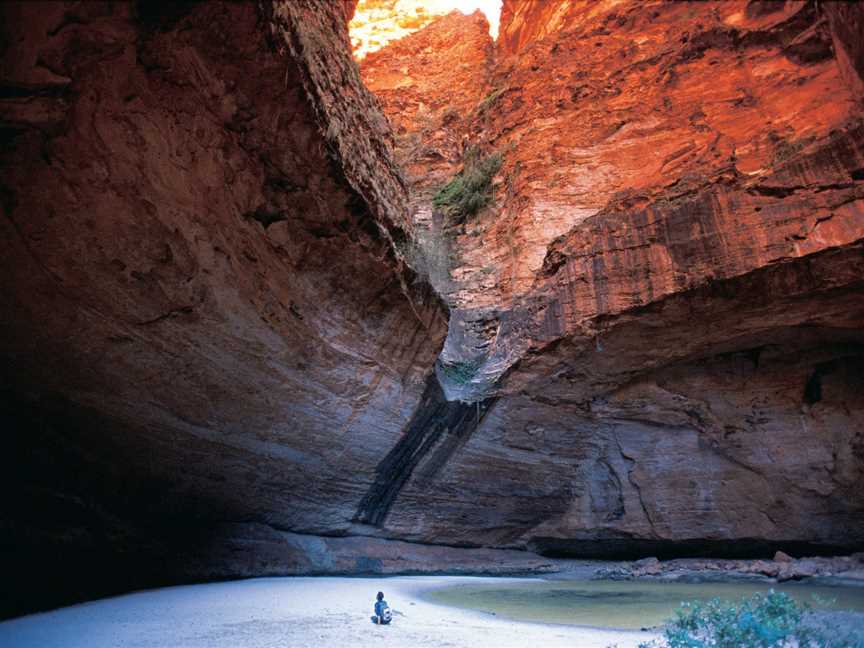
636	159
218	335
202	316
652	295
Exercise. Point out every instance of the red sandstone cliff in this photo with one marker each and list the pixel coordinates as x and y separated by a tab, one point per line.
211	336
666	294
201	316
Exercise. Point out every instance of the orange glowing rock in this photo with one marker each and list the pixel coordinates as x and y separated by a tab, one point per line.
378	22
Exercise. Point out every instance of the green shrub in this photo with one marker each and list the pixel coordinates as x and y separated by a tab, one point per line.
772	620
785	150
490	99
461	373
471	190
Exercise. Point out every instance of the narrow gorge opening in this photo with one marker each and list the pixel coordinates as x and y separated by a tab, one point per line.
375	23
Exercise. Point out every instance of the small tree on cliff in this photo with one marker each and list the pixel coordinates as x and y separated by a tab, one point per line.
471	190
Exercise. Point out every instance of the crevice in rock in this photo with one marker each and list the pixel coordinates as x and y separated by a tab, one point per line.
20	91
624	546
631	463
813	388
174	312
434	420
162	16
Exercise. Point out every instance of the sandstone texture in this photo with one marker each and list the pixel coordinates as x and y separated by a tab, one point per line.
238	337
782	568
660	313
253	550
202	316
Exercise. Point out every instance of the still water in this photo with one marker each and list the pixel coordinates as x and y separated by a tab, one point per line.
625	605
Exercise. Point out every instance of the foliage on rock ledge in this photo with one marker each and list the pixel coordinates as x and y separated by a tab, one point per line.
461	373
471	190
491	99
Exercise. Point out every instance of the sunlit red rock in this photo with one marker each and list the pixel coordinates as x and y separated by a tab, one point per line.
671	265
611	111
377	23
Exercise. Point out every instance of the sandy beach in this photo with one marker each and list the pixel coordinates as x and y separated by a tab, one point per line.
291	612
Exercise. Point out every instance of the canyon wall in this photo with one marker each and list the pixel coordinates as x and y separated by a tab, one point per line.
660	313
203	320
235	329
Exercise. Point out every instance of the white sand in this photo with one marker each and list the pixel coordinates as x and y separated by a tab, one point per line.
291	613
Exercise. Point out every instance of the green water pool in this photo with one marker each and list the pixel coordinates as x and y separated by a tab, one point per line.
626	605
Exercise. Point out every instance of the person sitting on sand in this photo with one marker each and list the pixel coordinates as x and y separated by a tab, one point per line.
383	615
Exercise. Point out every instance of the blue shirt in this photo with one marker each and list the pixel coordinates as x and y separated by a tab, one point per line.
379	607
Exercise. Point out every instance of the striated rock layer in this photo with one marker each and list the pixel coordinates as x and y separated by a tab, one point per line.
202	318
235	329
665	297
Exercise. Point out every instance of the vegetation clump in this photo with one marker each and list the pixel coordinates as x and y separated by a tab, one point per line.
772	620
490	99
471	190
785	149
461	373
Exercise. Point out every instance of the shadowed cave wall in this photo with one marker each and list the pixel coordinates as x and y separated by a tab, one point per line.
198	306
